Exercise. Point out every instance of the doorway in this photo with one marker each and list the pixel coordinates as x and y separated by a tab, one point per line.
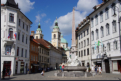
119	66
7	66
107	68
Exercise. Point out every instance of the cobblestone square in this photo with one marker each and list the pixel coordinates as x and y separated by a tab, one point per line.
50	76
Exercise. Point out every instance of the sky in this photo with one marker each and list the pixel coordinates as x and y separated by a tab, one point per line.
46	12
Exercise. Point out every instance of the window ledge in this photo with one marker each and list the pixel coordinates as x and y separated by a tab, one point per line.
12	22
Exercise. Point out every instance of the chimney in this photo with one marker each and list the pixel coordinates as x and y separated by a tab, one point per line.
32	33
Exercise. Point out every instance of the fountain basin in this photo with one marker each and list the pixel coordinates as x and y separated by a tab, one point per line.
75	68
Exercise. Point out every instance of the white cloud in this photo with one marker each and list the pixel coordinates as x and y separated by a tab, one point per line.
24	5
47	21
39	17
65	21
86	5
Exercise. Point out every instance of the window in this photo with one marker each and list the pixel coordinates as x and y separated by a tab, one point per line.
11	17
120	5
114	26
19	22
22	52
92	35
10	33
18	35
42	58
81	35
40	50
113	8
26	40
101	16
103	48
84	43
36	37
84	33
63	46
107	29
102	32
23	25
87	41
106	13
96	20
54	36
26	27
108	47
97	34
8	50
84	52
115	45
81	53
87	31
22	38
88	51
26	54
79	45
93	50
92	22
17	51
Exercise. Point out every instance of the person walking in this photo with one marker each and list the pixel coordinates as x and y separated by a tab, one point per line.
92	68
9	72
4	70
28	70
42	73
96	69
62	68
100	70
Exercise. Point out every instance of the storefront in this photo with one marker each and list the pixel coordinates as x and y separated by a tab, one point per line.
7	67
34	68
116	66
16	69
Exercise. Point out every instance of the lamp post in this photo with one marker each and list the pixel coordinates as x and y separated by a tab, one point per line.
119	19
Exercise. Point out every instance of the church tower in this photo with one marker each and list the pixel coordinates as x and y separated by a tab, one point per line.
38	34
56	35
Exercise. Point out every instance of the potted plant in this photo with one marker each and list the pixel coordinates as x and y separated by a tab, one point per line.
89	69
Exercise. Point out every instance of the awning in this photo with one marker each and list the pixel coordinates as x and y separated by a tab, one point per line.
35	64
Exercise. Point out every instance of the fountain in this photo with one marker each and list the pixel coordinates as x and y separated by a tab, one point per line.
73	66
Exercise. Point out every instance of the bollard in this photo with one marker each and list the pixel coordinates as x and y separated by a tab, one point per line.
62	74
85	74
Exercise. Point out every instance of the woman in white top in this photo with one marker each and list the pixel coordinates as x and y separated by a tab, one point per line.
100	70
92	68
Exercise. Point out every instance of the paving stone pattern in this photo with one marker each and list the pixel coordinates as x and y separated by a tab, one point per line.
50	76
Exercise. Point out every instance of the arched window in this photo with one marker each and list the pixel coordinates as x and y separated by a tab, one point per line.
108	46
107	29
101	16
97	34
113	8
92	35
114	26
79	53
79	45
54	36
102	31
107	13
115	45
11	33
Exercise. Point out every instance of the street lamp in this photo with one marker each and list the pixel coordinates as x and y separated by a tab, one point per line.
119	20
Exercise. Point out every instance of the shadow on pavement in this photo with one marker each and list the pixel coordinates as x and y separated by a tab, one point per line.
7	78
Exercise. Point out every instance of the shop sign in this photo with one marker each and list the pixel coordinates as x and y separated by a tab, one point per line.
20	60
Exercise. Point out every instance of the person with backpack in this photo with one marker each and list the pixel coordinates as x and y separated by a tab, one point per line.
60	67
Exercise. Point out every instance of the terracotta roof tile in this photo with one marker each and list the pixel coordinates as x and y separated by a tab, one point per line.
2	4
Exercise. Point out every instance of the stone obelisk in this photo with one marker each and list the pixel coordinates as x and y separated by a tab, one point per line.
73	46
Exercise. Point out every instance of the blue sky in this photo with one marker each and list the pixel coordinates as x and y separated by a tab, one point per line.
46	12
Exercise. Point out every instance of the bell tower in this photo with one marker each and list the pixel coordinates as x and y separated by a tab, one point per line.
56	35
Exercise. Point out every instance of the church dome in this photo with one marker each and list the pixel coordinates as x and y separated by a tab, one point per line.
66	49
63	40
56	27
39	29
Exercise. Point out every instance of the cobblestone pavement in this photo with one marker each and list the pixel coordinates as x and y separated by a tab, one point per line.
50	76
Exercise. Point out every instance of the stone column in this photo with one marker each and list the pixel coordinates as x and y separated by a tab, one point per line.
103	66
110	65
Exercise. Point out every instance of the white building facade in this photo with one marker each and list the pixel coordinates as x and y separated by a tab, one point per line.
15	28
105	36
83	38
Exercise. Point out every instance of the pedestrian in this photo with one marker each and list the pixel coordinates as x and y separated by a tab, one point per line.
9	72
62	68
92	68
100	70
28	70
96	69
42	73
